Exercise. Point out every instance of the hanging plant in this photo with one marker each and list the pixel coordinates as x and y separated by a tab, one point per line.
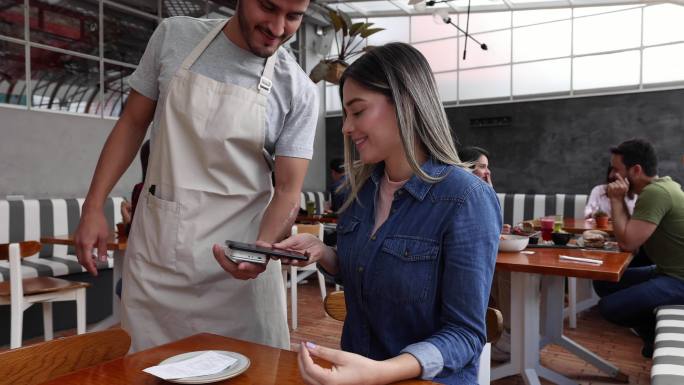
348	39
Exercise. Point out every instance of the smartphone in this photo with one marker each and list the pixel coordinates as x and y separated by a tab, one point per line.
249	252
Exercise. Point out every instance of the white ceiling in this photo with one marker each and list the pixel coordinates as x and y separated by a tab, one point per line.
375	8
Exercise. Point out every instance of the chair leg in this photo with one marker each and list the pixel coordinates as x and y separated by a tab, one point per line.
47	321
285	281
321	284
16	324
572	302
81	311
293	295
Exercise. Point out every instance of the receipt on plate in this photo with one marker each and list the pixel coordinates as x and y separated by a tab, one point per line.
201	365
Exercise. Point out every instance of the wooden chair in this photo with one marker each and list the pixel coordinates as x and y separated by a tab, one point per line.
45	361
21	293
317	230
336	308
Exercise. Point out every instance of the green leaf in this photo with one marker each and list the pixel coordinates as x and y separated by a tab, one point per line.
371	31
347	21
336	20
354	29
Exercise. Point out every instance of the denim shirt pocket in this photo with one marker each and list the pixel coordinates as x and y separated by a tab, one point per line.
406	268
347	230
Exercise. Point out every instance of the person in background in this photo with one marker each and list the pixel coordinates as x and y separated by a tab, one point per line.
657	224
336	180
217	92
479	157
598	200
417	235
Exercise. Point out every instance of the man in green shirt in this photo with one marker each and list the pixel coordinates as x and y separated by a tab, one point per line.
658	224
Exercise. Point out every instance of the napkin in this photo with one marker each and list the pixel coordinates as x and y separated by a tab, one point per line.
590	261
201	365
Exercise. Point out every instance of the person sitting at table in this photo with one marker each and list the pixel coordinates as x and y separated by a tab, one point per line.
417	235
658	224
598	200
479	157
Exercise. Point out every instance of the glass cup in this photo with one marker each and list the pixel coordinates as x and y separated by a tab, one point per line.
547	227
310	208
558	223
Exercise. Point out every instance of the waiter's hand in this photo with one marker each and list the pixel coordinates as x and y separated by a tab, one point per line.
242	270
92	232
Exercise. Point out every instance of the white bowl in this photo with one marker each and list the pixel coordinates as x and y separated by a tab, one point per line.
510	242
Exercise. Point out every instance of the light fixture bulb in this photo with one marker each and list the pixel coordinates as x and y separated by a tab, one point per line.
419	6
441	16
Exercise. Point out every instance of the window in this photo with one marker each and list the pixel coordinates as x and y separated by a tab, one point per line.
72	40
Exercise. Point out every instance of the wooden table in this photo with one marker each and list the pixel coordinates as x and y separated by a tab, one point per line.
268	365
579	225
315	219
116	244
544	267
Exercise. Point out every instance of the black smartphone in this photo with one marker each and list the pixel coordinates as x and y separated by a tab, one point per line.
250	252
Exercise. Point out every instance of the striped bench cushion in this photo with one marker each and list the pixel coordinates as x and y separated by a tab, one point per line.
518	207
318	197
31	219
668	356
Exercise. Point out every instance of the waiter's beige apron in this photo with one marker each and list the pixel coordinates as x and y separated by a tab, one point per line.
207	182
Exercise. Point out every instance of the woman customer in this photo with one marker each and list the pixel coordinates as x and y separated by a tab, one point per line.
479	157
417	234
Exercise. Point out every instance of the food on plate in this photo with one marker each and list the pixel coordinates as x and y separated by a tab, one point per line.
594	238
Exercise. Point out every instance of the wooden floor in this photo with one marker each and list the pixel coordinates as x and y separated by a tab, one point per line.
613	343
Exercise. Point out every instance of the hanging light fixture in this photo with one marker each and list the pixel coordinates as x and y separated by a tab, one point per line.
442	16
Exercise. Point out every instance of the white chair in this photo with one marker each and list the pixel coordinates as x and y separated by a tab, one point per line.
21	293
295	277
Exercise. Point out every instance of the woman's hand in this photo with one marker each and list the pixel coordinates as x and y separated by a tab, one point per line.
307	244
347	368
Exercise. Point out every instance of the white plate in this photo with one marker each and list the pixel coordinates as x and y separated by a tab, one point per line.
233	370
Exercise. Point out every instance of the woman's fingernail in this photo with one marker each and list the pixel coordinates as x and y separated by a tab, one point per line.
311	345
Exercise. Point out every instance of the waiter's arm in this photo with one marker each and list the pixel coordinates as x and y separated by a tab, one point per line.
282	211
117	154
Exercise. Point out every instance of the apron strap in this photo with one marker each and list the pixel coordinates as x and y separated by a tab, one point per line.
265	82
203	44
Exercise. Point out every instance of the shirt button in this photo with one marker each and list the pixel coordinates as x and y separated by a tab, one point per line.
360	269
373	237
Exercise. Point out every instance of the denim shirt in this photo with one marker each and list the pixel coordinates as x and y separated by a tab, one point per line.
421	283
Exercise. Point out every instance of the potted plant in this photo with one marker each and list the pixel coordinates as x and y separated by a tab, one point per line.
348	39
601	218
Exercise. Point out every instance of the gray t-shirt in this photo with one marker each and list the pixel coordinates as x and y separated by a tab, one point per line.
292	108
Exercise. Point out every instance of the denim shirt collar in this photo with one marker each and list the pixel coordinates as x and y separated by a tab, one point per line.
415	186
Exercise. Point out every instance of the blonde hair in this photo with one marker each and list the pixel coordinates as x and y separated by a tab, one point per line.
402	73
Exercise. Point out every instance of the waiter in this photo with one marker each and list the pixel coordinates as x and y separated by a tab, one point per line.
217	92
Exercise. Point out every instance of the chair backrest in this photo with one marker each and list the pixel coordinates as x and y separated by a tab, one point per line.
315	229
15	252
26	249
48	360
336	308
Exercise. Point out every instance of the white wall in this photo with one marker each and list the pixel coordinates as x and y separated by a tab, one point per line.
45	154
318	169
